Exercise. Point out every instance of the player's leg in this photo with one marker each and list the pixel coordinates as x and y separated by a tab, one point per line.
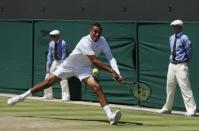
52	79
182	75
170	89
94	85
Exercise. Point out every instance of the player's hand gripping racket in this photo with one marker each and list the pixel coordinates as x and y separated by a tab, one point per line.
141	91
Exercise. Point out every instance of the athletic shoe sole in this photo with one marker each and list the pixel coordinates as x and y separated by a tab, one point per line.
116	118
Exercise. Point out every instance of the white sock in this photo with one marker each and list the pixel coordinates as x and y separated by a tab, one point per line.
108	111
26	94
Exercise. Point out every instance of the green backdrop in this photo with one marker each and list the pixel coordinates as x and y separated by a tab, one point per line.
16	56
140	48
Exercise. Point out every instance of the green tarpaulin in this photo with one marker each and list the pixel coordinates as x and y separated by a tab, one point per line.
140	48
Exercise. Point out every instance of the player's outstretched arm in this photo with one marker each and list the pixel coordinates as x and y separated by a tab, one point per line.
104	67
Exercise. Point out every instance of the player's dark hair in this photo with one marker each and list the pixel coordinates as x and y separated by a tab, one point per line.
97	25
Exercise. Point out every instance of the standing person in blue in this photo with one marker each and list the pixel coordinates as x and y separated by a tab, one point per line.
58	50
178	72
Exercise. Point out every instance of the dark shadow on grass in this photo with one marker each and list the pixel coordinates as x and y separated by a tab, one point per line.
120	123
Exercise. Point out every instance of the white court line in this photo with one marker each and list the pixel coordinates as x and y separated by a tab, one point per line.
133	107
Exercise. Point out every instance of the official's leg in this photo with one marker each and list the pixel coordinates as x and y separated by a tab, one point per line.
185	86
48	92
65	90
170	89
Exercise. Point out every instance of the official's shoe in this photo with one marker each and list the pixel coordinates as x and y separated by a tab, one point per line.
115	117
14	100
190	114
164	111
47	97
65	99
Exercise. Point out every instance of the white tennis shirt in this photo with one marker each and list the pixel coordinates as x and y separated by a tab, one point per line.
86	46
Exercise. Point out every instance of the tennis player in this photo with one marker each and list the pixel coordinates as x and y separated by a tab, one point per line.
79	64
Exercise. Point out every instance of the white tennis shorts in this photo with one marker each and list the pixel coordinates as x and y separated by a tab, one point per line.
68	69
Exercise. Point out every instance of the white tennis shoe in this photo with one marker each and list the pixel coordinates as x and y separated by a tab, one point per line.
14	100
115	117
47	97
190	114
164	111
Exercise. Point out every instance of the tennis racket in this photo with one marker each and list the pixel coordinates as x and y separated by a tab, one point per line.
141	91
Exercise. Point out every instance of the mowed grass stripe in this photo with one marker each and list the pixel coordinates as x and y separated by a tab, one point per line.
52	116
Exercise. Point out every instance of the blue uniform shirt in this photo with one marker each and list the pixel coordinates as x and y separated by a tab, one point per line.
183	47
62	52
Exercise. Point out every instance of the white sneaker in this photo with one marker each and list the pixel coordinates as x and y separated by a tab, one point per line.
115	117
65	99
47	97
14	100
164	111
190	114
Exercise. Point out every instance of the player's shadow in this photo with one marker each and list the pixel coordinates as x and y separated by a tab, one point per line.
120	123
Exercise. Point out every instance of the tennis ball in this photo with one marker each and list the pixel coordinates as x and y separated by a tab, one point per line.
95	71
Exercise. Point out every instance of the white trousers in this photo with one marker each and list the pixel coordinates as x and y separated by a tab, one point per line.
179	73
64	84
